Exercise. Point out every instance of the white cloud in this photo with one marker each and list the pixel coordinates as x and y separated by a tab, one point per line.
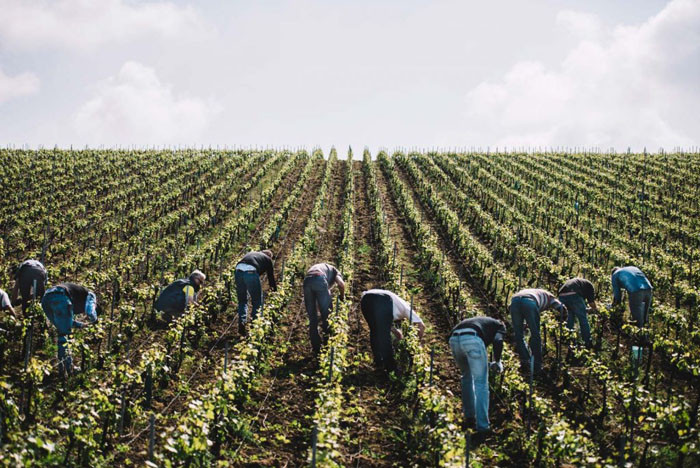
634	84
580	24
23	84
135	107
89	24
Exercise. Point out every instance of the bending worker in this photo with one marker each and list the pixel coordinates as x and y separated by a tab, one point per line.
639	290
175	298
381	308
468	341
574	294
319	281
29	274
526	307
61	303
247	275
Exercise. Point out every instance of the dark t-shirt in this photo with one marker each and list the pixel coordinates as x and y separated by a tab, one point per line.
262	264
174	297
490	330
329	271
30	265
580	286
78	296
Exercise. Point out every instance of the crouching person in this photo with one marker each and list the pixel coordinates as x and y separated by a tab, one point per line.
61	304
319	281
468	341
381	308
175	298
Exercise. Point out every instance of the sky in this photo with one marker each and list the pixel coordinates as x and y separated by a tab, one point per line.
379	74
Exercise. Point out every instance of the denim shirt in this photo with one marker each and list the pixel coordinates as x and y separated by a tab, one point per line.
91	306
629	278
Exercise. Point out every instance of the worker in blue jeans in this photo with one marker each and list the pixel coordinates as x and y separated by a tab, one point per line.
639	291
60	304
468	341
526	307
247	276
575	294
319	281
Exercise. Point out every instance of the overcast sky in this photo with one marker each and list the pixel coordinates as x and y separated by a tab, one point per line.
403	73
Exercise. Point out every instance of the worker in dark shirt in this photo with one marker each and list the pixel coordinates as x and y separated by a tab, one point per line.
469	340
319	281
247	275
29	274
639	291
574	294
61	303
175	298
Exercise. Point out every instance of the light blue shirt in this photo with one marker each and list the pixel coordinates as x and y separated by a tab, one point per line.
91	306
629	278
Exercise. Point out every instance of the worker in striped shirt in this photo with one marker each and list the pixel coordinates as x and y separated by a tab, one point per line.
526	307
319	281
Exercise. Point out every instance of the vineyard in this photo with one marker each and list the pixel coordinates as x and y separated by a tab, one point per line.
456	234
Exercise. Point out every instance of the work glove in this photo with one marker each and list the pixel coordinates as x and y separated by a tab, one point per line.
496	367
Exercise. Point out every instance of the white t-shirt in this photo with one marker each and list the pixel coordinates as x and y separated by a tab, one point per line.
4	300
401	309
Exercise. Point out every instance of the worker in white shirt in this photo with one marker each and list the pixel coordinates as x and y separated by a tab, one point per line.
381	308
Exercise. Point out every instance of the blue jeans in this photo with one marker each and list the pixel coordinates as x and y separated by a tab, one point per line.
470	353
577	311
316	295
248	282
640	302
523	309
59	311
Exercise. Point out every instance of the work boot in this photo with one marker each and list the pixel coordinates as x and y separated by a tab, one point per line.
480	436
468	423
242	330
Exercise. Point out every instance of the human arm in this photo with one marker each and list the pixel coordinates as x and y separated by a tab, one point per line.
498	345
617	294
396	332
341	285
90	307
421	330
557	305
78	324
11	310
270	270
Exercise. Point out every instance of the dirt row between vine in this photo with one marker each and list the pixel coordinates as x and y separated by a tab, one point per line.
282	402
374	426
210	353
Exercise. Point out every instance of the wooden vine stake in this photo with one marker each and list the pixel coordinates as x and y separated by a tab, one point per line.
151	436
314	440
